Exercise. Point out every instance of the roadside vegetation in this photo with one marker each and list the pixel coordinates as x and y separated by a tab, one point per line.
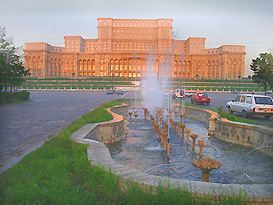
118	82
13	97
11	63
59	173
262	69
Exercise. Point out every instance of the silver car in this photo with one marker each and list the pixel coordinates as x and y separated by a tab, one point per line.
249	104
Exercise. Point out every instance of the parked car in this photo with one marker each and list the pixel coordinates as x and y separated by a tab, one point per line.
188	94
269	92
249	104
119	92
111	92
200	98
178	94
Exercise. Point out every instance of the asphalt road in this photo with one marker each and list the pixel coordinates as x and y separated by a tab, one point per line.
26	126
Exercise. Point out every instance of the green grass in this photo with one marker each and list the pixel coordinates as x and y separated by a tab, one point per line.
59	173
108	82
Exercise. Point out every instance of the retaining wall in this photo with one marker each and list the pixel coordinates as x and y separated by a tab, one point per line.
258	137
111	131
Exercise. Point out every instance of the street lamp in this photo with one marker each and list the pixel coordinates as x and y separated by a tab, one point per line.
72	79
239	81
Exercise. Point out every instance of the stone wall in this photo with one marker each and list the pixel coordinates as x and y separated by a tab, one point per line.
121	109
111	131
197	114
258	137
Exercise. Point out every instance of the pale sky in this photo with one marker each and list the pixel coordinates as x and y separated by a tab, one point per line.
221	22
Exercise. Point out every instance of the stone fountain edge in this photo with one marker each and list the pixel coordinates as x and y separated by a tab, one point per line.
98	154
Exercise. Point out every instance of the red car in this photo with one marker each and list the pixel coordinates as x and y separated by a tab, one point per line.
200	98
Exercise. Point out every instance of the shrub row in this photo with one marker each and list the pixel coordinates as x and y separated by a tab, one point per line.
13	97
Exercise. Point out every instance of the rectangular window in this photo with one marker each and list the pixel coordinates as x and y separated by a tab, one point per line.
243	98
249	99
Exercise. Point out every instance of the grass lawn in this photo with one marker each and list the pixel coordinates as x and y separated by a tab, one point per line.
59	173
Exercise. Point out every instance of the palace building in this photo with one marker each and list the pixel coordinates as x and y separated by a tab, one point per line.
125	46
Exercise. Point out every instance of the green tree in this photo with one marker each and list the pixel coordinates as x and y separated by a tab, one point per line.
262	67
11	65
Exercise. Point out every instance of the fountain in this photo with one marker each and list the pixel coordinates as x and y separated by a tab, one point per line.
171	122
164	140
150	147
193	136
206	165
182	116
144	150
130	114
201	145
182	129
188	135
145	113
168	148
136	118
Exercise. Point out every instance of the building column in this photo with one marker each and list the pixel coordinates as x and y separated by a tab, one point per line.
77	68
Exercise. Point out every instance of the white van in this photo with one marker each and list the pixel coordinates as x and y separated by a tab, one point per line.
178	94
250	104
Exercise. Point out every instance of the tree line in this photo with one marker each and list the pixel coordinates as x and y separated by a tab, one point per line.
12	69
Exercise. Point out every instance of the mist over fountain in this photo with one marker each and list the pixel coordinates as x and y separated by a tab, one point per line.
155	84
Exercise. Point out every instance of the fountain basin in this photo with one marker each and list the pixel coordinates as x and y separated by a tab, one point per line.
98	154
141	149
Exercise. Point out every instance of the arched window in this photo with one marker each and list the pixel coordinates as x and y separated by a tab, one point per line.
80	67
175	66
121	68
93	68
101	67
116	67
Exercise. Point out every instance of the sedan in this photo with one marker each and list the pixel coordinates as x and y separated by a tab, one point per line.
119	92
200	98
111	92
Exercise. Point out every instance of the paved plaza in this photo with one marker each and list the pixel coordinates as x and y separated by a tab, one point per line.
25	126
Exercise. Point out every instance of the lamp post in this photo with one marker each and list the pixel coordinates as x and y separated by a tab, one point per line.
72	79
239	81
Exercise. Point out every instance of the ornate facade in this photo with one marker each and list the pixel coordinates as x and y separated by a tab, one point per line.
125	48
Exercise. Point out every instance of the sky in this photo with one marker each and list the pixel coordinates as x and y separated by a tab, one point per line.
221	22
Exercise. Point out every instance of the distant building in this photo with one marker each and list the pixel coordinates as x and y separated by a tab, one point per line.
123	48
